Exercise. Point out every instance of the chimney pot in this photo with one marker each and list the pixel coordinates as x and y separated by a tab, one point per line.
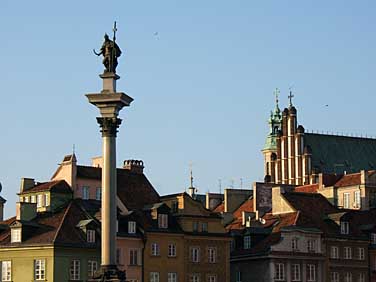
136	166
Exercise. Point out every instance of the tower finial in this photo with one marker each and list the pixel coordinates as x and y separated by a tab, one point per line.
276	93
191	173
290	96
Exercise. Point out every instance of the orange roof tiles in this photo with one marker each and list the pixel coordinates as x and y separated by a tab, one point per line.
312	188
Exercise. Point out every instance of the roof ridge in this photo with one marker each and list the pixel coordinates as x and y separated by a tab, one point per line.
62	221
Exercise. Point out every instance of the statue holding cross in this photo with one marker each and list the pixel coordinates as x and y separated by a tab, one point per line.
110	51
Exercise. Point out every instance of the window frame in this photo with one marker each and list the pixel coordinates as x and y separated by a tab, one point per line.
346	200
90	236
247	242
90	267
171	250
294	272
357	199
279	271
334	276
133	257
132	227
163	221
155	251
311	272
85	193
75	270
345	227
6	268
154	276
347	253
361	253
195	254
172	277
334	252
212	254
16	235
98	192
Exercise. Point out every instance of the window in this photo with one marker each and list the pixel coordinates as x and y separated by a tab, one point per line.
348	277
92	266
311	272
357	199
195	226
162	220
40	269
47	200
131	227
334	277
279	274
85	192
175	206
15	235
26	199
194	278
74	271
133	256
204	227
212	278
346	200
360	253
98	193
154	276
295	269
172	277
247	242
6	271
118	256
347	253
33	199
294	244
172	250
334	254
362	277
238	276
311	246
154	249
90	236
345	227
39	200
373	238
195	254
212	255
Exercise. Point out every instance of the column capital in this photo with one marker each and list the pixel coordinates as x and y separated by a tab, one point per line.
109	126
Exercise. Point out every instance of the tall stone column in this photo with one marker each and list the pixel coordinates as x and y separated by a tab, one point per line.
109	102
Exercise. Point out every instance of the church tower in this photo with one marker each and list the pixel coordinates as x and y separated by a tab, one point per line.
270	149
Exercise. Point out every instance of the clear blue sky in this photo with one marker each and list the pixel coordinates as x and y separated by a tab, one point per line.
203	87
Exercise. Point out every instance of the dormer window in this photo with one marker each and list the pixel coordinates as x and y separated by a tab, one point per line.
15	235
204	227
131	227
163	221
90	236
345	227
33	199
175	206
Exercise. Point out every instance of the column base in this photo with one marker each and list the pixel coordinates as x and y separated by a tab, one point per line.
108	273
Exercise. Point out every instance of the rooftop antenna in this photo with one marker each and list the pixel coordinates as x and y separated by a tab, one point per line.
220	185
191	173
74	149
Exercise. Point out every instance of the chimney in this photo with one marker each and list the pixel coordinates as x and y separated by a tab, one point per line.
97	162
363	177
26	184
26	211
135	166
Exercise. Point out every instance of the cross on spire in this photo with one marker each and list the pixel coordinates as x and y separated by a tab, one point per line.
290	97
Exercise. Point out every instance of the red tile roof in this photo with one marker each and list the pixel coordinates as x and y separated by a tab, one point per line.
52	228
279	221
237	223
348	180
219	208
312	188
58	186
